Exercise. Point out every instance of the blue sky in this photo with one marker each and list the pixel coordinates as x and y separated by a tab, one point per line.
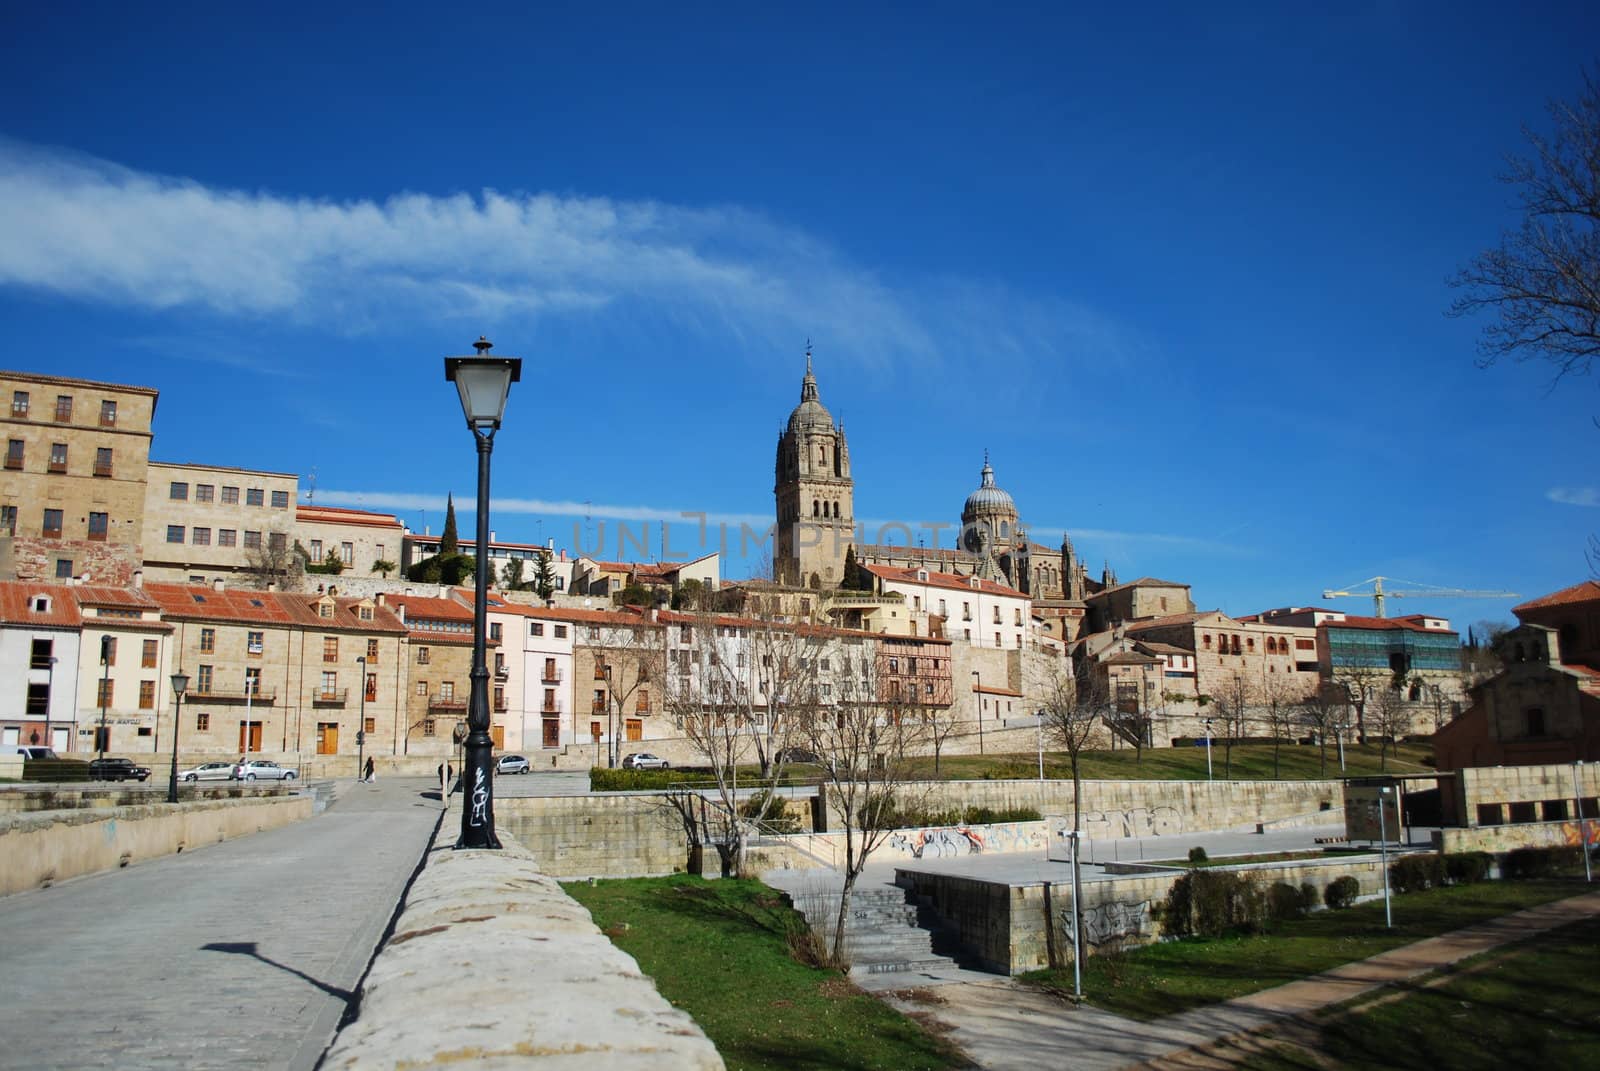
1179	268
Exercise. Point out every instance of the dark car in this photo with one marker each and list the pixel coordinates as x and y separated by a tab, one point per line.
797	754
116	770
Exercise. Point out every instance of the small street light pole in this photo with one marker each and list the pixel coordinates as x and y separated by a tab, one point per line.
180	684
105	688
977	690
361	727
1040	716
1383	837
1208	749
1583	832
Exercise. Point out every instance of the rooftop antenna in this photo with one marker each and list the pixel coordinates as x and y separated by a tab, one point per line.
311	486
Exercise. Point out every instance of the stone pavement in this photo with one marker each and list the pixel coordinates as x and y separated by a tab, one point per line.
1004	1025
237	953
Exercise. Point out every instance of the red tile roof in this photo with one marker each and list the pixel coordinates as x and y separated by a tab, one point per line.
1384	624
337	515
1586	591
123	598
951	581
196	602
17	600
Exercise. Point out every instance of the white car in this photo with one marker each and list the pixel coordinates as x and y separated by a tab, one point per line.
643	760
208	771
512	764
261	769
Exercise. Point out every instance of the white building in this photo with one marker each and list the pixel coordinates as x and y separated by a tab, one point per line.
39	646
977	612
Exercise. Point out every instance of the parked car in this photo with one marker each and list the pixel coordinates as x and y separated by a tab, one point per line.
643	760
509	764
208	771
31	752
116	770
262	770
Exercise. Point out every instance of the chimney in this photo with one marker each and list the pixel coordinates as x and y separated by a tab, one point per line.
400	611
216	585
563	552
138	578
492	538
272	585
383	600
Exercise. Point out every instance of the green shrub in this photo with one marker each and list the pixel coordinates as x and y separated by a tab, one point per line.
1464	868
777	820
1413	873
1209	903
1308	898
1527	863
1009	771
603	779
1198	855
1341	892
982	816
1284	902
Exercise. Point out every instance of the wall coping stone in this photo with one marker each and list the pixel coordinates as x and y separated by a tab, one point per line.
491	964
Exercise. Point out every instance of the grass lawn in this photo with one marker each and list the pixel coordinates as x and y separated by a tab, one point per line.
1174	976
1536	1005
1251	762
718	950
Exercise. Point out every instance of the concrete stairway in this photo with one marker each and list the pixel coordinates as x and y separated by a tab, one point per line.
884	932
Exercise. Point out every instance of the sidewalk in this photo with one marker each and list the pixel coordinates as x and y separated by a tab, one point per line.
1004	1025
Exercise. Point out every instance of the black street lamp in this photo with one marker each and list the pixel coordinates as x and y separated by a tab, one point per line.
180	684
361	728
105	694
483	382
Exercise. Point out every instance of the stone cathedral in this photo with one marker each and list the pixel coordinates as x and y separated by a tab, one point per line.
815	495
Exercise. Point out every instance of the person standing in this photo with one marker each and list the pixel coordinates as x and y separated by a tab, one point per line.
371	776
444	787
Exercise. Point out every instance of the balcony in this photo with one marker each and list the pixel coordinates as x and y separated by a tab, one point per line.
108	420
211	694
499	706
551	676
501	673
334	698
57	467
447	702
550	708
50	533
102	468
63	413
19	409
14	462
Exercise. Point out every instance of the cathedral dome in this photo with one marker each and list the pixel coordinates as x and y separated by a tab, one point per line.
988	498
810	413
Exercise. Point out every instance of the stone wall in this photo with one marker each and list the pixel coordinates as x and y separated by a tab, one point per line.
1011	929
1500	839
543	987
1505	785
34	797
605	836
38	849
105	564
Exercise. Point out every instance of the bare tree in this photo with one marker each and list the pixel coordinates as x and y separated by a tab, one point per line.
1542	281
868	752
1280	700
1391	719
630	658
275	560
1075	708
1234	698
1360	684
1322	710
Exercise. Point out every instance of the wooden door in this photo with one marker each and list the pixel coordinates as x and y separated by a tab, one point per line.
635	729
552	733
327	738
497	733
254	743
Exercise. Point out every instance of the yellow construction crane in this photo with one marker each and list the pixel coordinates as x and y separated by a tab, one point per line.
1378	593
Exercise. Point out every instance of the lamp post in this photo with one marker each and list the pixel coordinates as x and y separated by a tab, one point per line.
977	690
105	687
1208	749
1383	837
361	727
49	699
1583	837
1040	716
483	382
611	725
180	684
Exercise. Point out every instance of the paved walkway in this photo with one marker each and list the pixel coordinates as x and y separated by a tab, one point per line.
240	953
1004	1025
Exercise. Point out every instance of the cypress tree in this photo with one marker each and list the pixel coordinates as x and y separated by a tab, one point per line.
447	542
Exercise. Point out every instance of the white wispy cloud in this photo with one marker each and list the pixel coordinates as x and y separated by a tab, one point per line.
403	501
97	231
1574	496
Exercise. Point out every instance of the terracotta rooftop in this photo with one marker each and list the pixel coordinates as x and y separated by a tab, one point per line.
1587	591
64	381
895	574
17	598
197	602
1386	624
1143	582
337	515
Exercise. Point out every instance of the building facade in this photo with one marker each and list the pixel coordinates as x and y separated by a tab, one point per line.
815	494
204	522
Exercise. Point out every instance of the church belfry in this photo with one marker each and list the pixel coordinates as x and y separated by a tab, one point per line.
814	493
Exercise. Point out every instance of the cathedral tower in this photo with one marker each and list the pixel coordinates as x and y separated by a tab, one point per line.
815	495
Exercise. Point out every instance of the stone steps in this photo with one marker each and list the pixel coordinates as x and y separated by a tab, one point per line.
884	932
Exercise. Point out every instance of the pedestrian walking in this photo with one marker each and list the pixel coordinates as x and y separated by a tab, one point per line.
444	787
371	776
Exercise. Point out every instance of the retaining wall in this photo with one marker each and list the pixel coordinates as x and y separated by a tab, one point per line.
492	965
1501	839
608	836
37	849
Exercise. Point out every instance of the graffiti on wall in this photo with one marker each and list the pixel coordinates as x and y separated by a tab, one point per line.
1158	821
1112	922
1574	833
951	841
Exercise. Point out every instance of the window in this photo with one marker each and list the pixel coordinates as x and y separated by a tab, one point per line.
277	540
252	681
147	695
364	613
379	553
347	553
202	722
178	491
330	648
372	652
427	726
997	615
14	454
230	495
599	701
227	537
147	655
105	692
280	500
52	524
174	533
204	492
494	630
63	568
108	648
370	725
966	611
39	657
200	537
997	639
372	687
535	628
561	632
255	496
1019	616
108	413
8	520
330	684
99	525
447	690
252	540
202	680
208	640
254	642
316	551
19	403
422	687
58	457
422	656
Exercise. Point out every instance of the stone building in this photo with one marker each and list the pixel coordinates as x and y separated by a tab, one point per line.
439	669
124	669
359	538
205	522
39	654
814	493
1137	600
72	493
